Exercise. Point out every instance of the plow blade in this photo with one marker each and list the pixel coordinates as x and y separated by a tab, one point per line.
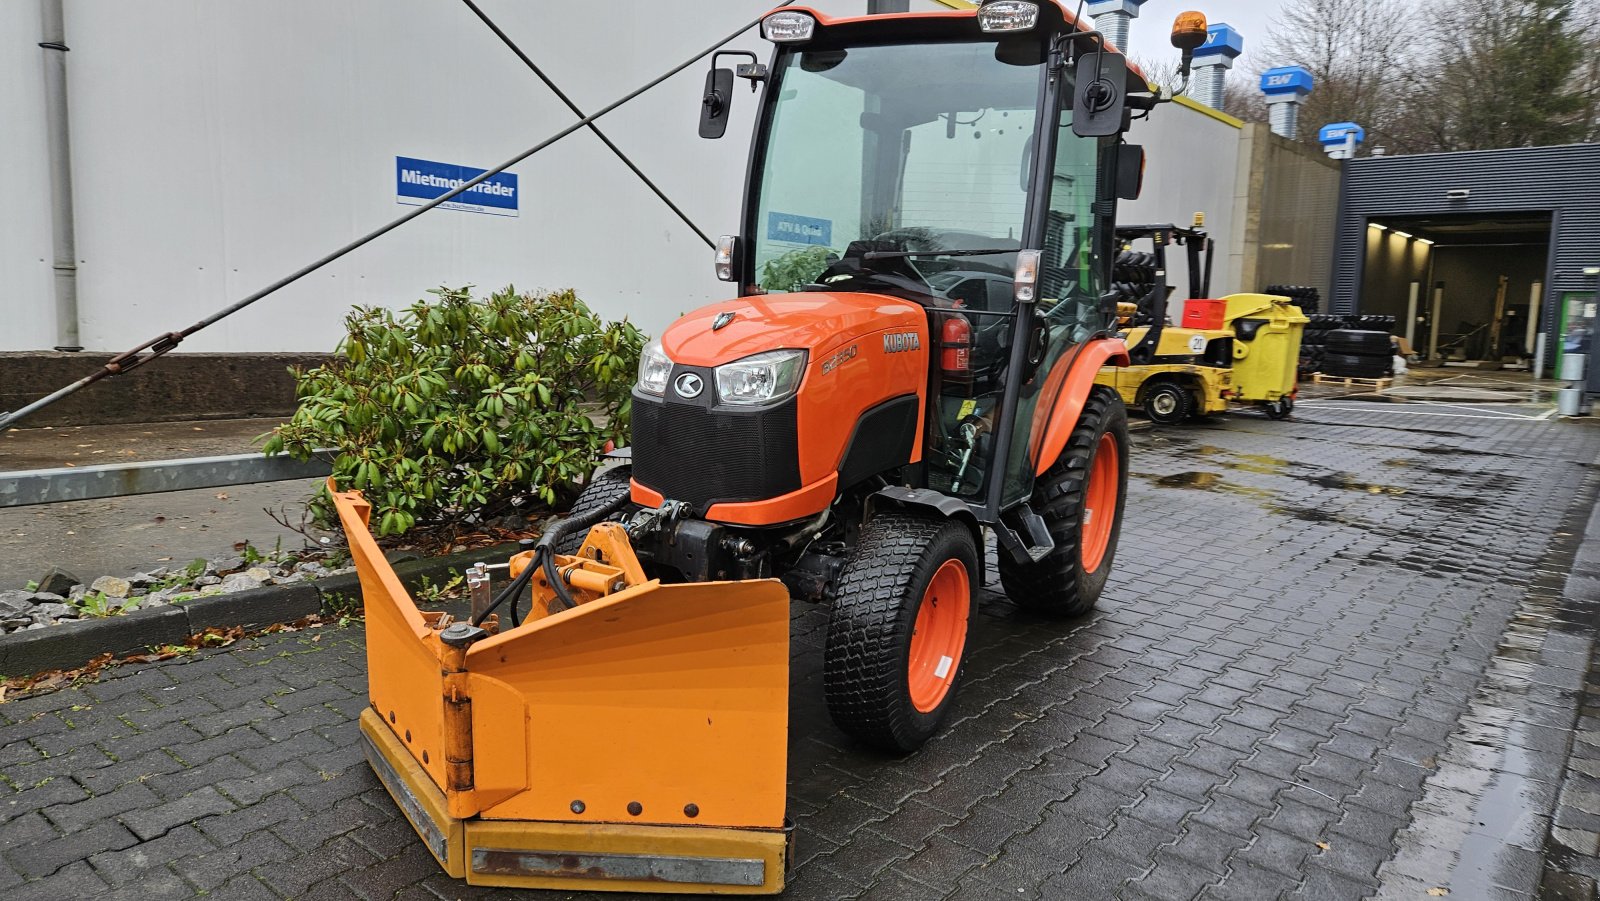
636	742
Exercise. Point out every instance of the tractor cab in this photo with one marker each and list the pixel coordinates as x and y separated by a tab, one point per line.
969	164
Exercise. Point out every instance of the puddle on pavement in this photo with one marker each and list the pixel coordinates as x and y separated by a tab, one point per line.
1347	482
1305	514
1208	481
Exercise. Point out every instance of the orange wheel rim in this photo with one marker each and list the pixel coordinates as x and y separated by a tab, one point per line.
938	637
1100	502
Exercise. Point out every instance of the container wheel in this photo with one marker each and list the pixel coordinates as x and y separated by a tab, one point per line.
1081	498
1278	409
1168	403
602	491
898	629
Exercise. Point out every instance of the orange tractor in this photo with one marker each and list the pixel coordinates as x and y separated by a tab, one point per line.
909	368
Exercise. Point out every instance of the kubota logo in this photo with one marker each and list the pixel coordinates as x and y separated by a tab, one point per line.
689	385
899	342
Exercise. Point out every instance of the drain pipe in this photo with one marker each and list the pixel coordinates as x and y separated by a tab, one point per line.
63	239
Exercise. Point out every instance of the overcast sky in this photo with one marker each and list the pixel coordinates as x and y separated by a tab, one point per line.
1149	33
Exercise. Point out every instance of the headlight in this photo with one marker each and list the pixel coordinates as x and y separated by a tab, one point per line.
654	368
788	27
761	379
1008	15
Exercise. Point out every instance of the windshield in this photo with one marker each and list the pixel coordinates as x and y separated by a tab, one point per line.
897	148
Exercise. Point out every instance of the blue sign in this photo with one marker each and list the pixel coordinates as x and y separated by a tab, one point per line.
1286	80
418	181
1335	134
1221	40
794	229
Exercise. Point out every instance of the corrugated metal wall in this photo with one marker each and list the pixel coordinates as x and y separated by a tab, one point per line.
1564	181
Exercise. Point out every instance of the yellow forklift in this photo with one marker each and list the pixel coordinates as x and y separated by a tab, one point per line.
1241	349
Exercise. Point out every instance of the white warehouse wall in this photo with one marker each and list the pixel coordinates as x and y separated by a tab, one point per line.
220	144
27	304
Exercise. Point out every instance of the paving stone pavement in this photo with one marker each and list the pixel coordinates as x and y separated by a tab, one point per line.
1298	630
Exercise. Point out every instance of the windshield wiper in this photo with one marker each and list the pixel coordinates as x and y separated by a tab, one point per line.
902	254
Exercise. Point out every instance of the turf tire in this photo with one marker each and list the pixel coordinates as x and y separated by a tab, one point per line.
603	490
1058	586
865	666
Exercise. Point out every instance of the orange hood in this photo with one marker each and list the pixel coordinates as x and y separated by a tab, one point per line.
814	321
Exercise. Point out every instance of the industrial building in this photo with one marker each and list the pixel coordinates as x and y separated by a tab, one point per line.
1478	254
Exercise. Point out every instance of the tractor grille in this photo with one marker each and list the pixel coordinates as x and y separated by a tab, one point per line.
702	456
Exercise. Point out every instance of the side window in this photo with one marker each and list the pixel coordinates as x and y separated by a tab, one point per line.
1069	276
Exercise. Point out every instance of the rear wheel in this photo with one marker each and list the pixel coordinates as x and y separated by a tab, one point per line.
898	629
1081	498
1168	403
602	491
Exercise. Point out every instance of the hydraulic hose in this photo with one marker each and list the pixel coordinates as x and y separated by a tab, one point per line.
544	559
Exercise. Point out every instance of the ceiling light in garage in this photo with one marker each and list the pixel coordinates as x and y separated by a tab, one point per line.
1400	234
1377	226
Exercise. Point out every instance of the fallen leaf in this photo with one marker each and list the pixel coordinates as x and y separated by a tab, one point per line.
1323	845
1438	892
222	495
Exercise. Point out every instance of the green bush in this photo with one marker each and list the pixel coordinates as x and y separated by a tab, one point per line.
459	406
795	268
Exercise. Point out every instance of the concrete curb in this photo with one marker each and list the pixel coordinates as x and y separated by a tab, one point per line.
72	644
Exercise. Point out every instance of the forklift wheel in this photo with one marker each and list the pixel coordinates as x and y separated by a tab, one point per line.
601	491
898	628
1081	499
1168	403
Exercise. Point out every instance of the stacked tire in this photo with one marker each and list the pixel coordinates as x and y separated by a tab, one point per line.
1358	353
1308	299
1132	277
1313	343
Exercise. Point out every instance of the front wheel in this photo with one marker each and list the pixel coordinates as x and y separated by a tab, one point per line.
1080	498
898	629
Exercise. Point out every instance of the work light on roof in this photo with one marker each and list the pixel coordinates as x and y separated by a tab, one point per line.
1008	15
785	28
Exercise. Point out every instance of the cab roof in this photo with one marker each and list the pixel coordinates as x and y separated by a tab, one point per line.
1053	15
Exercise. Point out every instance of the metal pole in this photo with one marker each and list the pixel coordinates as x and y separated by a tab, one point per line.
1411	315
1433	330
63	243
1535	293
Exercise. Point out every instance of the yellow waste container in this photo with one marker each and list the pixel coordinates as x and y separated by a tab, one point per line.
1266	346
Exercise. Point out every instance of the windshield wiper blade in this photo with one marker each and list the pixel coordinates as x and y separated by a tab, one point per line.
902	254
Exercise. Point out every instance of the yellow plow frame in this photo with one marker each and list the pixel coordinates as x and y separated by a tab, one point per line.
636	742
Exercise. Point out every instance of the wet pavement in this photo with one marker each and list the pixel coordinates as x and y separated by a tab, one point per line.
1341	656
122	536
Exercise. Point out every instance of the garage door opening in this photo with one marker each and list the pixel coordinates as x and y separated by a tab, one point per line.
1464	290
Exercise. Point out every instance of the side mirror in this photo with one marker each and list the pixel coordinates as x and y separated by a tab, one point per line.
1130	171
716	104
1100	96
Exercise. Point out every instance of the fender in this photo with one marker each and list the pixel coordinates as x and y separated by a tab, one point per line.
1074	393
930	501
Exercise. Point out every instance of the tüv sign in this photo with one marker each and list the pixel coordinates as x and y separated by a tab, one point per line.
419	181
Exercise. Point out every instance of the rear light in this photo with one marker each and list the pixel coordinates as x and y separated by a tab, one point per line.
788	28
1026	280
955	343
1008	15
725	250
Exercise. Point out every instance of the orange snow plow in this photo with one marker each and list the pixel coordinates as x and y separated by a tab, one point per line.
635	741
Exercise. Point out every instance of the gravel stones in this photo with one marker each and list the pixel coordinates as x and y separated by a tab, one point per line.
111	586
